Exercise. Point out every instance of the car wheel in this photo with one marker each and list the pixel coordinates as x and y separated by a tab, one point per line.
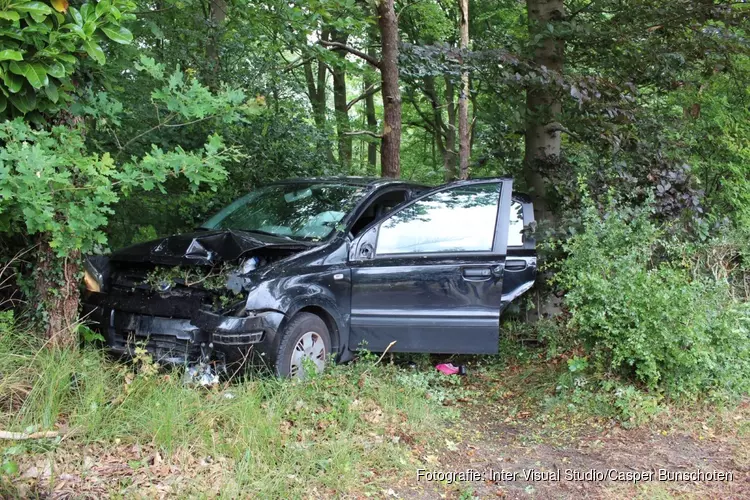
306	337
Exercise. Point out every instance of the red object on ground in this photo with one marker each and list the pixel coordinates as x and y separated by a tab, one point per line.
447	368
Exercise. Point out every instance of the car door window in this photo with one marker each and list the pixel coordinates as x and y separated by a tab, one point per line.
379	208
459	219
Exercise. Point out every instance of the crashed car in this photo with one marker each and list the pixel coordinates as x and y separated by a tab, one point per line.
300	272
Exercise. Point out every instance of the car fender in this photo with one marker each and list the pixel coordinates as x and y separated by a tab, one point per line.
327	292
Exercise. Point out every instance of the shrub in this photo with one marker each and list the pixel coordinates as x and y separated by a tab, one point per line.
642	312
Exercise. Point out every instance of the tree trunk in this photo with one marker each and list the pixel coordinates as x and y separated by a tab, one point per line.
218	16
543	106
372	120
444	135
463	99
316	88
59	294
450	156
391	142
542	138
343	127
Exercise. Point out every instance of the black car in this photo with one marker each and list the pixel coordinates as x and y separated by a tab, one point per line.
309	268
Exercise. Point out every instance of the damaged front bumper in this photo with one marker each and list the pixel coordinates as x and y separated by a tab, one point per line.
203	335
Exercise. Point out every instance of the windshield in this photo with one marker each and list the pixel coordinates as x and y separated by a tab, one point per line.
299	211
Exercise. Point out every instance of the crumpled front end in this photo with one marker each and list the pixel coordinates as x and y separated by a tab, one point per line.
180	314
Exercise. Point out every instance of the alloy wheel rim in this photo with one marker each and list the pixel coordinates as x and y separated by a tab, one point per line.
309	346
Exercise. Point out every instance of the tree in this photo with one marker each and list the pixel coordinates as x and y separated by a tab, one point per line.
543	106
340	104
390	137
463	99
391	143
316	83
52	189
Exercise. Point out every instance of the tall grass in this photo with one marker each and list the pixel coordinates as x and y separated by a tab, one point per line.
278	438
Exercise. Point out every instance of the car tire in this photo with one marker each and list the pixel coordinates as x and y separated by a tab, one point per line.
306	336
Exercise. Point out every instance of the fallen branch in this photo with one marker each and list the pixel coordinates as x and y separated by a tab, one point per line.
361	377
384	353
20	436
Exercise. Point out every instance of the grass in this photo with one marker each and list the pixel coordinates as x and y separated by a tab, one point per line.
133	430
351	429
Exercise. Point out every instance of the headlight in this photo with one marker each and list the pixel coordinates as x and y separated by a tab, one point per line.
92	276
90	281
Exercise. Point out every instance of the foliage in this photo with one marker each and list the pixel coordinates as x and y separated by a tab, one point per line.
50	185
40	46
641	313
276	439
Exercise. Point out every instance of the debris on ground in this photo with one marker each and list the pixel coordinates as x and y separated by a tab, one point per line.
202	374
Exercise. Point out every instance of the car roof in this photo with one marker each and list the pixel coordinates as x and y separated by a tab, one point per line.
350	180
378	181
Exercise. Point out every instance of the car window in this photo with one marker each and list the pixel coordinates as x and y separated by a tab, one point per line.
307	211
379	208
515	229
460	219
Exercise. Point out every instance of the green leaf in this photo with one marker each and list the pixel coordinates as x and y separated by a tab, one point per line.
88	28
10	15
56	69
86	12
77	17
24	102
119	35
3	103
51	91
78	30
34	8
95	51
38	18
66	58
10	55
102	8
35	73
13	82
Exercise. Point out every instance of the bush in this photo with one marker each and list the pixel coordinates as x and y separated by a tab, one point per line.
643	312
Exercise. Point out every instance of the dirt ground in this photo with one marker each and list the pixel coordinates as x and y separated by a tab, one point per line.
484	439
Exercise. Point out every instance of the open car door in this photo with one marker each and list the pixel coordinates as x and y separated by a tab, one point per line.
430	275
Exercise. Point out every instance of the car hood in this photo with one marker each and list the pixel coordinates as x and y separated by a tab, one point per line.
202	248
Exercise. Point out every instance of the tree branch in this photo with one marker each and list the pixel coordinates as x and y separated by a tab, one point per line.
351	50
364	132
373	89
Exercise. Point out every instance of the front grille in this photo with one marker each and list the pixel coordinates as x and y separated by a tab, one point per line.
163	348
168	340
131	277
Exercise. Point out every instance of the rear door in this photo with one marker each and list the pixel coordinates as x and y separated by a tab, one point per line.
429	277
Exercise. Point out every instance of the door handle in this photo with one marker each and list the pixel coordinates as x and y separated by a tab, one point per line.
515	265
477	272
